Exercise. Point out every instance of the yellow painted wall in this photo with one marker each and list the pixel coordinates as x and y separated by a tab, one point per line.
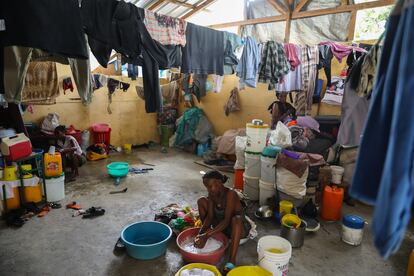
129	121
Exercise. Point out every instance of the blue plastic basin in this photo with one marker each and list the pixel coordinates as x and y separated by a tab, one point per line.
146	240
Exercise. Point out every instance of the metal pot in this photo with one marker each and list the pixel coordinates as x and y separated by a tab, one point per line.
295	236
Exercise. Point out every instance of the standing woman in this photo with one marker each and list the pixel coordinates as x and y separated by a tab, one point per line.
221	211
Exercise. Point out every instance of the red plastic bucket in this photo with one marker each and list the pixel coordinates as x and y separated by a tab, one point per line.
212	258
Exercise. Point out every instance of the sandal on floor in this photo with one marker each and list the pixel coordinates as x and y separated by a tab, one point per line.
94	212
44	211
55	205
119	247
73	206
228	267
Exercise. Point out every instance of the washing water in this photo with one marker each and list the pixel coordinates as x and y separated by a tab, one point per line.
197	272
211	246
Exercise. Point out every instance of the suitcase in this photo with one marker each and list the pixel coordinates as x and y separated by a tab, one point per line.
16	147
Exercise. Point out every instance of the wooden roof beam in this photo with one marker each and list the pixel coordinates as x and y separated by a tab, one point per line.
184	4
262	20
277	6
156	5
300	5
198	8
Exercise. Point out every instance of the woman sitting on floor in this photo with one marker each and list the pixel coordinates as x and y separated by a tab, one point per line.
281	110
72	155
221	211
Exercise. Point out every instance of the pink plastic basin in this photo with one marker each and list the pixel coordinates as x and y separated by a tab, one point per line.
212	258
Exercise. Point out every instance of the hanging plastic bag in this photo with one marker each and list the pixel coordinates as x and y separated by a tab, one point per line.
281	136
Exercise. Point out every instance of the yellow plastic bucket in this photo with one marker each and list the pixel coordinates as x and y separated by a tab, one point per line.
291	220
33	193
212	268
14	203
128	148
10	173
285	207
249	270
26	167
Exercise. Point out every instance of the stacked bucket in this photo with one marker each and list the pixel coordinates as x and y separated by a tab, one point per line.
267	182
256	133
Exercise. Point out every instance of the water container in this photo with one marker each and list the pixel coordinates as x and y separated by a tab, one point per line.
337	174
352	229
266	190
238	179
256	137
274	254
9	173
332	203
252	164
251	187
55	188
53	164
268	170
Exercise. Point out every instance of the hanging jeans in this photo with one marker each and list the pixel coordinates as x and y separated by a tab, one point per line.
384	172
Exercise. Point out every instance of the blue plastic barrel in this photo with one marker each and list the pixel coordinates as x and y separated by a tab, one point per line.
146	240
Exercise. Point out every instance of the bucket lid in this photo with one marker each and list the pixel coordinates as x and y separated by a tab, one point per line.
271	151
353	221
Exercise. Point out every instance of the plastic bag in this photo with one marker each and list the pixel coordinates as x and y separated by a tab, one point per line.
281	136
50	122
240	147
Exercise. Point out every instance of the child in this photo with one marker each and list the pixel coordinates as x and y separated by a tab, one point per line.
221	211
281	110
70	150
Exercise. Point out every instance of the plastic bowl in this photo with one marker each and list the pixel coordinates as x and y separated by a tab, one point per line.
212	258
146	240
118	169
200	266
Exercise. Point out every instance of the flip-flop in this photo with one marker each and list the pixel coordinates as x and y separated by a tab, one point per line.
44	211
94	212
55	205
228	267
73	206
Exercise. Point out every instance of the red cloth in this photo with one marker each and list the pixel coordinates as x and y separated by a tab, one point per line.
291	55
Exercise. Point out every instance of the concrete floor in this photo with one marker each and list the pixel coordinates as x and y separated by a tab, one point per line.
60	244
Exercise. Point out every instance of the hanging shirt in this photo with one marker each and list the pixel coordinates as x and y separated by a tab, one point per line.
204	51
273	64
292	81
248	66
231	43
292	55
340	51
165	29
384	173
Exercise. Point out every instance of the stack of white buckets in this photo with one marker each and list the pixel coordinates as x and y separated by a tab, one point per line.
259	174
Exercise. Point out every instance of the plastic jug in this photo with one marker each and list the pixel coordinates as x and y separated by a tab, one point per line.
332	203
53	164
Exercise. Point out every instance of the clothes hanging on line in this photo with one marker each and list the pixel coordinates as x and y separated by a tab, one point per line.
248	66
340	51
368	70
17	60
273	65
204	51
292	81
231	43
218	83
292	55
384	172
165	29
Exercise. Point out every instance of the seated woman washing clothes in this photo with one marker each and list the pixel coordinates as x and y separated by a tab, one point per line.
72	155
281	110
221	211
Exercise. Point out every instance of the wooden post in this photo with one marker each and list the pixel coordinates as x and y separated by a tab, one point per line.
351	26
288	4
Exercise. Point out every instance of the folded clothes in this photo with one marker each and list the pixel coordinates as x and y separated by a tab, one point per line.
297	167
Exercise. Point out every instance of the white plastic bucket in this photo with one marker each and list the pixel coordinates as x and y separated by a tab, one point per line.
266	190
268	171
55	188
337	173
251	187
256	137
275	263
352	236
252	165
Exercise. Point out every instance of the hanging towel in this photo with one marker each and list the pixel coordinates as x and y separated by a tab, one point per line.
384	174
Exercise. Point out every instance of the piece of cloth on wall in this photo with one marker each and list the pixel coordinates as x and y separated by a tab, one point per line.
17	59
231	43
204	51
67	85
273	65
384	173
165	29
41	83
232	104
248	66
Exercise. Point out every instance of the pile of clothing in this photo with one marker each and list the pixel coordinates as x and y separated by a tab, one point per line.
178	218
